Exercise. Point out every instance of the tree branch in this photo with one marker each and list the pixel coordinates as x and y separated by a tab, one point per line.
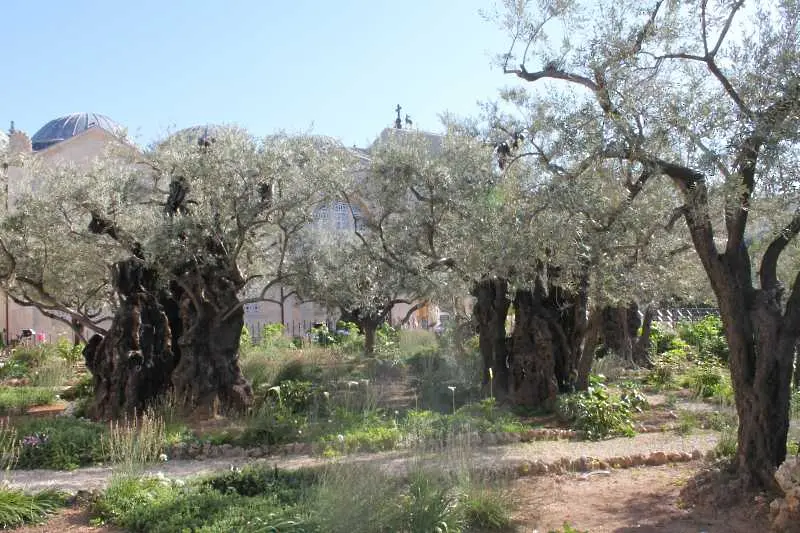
769	262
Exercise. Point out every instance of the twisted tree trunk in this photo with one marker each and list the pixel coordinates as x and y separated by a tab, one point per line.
533	364
489	313
161	341
131	366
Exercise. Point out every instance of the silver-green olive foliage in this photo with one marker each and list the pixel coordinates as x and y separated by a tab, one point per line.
704	95
243	205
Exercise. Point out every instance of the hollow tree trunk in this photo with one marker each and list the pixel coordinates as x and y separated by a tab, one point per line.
132	365
166	340
490	312
532	379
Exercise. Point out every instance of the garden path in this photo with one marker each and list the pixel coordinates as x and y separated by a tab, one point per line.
484	457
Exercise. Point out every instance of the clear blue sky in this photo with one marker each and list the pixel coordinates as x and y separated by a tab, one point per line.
337	67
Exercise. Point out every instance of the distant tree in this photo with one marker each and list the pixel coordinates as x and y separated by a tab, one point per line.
335	268
707	95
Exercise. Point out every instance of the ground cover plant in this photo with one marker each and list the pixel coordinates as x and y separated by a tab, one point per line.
338	498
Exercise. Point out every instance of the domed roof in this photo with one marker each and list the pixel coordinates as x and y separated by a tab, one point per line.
63	128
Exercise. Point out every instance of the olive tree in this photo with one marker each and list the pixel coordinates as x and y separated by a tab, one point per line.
185	234
538	244
705	94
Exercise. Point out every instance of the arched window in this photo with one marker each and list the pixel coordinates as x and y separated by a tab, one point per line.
341	215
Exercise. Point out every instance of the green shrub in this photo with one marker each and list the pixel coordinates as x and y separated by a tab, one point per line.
596	412
297	396
18	508
567	528
32	356
286	486
156	505
727	444
271	423
371	438
69	352
413	341
83	389
59	443
273	336
486	510
707	336
708	379
688	421
297	370
430	506
661	338
15	399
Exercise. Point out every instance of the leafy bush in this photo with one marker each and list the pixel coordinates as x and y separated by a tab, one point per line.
567	528
598	413
59	443
297	396
371	438
271	423
273	336
297	370
708	379
69	352
661	338
156	505
18	508
286	486
15	399
707	336
433	371
83	389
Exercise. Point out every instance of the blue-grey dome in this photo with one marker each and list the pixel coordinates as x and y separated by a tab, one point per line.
63	128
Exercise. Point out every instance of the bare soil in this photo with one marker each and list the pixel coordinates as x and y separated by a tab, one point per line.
639	500
72	520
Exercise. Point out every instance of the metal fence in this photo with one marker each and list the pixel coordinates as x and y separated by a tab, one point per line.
683	314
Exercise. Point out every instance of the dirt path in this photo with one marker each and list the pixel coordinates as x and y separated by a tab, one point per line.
638	500
493	456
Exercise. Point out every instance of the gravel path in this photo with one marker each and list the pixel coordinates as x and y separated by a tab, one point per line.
547	451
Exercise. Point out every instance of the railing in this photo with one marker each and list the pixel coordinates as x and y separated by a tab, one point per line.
683	314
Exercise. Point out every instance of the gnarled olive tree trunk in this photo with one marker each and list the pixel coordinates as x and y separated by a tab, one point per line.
208	368
161	341
132	365
621	333
489	313
532	379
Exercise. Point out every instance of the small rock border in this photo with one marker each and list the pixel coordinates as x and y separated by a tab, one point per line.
587	464
199	451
